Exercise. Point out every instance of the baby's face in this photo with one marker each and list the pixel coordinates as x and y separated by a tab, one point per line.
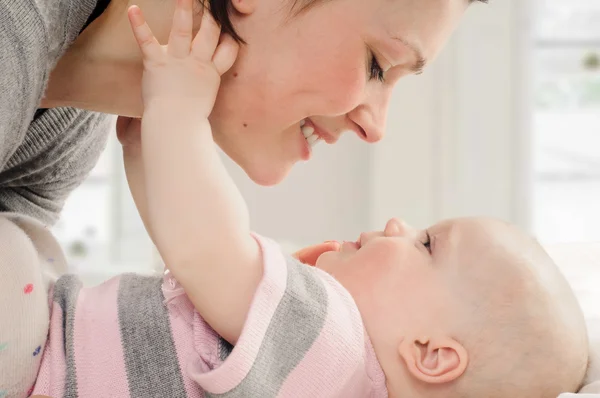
400	274
422	294
408	283
386	270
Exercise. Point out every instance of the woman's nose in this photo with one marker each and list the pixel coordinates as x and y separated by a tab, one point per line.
370	116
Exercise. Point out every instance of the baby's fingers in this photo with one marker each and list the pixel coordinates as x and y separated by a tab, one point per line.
143	34
207	38
310	255
226	54
180	39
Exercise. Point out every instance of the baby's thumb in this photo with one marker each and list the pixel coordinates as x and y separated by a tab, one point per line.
310	255
129	131
225	54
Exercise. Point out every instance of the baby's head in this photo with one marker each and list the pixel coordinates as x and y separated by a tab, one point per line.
467	308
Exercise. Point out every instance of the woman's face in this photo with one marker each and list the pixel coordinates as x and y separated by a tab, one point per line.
317	68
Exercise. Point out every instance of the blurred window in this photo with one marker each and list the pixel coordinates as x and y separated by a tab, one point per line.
100	229
566	120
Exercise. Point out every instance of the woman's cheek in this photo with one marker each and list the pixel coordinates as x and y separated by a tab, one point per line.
346	89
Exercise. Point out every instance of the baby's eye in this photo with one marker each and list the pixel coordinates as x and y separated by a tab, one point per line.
427	242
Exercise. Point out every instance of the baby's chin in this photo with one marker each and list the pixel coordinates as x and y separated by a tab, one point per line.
334	263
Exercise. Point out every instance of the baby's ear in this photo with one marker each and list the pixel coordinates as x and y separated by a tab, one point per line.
434	360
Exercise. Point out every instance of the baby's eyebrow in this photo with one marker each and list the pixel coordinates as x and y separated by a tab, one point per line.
444	234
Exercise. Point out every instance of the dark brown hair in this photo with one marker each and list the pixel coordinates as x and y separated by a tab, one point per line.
221	10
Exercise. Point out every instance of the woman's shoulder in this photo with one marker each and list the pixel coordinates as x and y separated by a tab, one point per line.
33	35
53	24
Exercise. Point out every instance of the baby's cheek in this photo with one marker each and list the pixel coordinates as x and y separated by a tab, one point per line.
390	252
371	273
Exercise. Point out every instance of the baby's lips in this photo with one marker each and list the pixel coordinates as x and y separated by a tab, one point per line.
349	246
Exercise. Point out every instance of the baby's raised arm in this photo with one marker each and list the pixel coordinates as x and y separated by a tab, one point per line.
198	218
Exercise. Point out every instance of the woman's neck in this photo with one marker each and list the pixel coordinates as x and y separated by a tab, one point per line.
101	71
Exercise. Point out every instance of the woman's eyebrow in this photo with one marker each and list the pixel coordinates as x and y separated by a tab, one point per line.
420	60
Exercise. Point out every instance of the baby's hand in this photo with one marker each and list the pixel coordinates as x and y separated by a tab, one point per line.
186	69
129	132
309	255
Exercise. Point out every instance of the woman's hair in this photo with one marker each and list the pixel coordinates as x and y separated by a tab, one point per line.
221	9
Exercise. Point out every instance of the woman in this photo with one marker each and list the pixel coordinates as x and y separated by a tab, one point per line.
328	65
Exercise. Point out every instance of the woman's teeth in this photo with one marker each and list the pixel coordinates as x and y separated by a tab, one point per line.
309	133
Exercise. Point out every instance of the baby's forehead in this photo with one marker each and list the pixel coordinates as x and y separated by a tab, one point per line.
474	228
477	238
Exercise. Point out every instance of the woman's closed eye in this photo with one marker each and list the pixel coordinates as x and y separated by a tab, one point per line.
375	70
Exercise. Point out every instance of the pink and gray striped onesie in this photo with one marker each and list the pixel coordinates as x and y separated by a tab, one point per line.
139	336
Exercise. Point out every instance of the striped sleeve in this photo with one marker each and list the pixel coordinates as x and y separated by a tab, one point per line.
303	337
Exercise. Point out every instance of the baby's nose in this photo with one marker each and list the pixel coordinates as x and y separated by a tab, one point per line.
397	227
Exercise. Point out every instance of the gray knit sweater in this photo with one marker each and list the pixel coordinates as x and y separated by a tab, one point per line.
42	159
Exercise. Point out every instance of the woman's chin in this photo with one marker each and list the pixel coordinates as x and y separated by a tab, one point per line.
266	175
264	166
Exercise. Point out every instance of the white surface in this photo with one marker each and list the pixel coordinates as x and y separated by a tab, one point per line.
325	198
565	201
574	19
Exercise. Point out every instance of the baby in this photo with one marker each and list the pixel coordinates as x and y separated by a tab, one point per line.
466	308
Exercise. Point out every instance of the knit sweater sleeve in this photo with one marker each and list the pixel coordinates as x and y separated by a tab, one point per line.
23	64
41	161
